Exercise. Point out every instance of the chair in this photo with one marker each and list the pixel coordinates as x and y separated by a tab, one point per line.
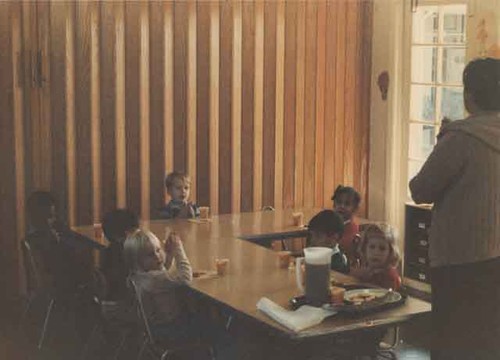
150	344
36	289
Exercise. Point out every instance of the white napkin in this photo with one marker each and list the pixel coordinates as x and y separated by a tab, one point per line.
300	319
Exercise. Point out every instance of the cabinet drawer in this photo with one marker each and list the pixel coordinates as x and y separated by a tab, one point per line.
418	220
418	272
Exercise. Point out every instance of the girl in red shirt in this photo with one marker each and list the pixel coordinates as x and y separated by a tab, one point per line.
379	257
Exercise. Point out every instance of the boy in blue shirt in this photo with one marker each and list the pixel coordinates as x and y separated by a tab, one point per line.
179	187
326	229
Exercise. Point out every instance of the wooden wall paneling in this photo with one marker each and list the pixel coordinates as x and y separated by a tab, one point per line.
132	104
180	85
366	51
32	109
44	136
320	105
279	106
191	96
156	92
358	76
70	98
339	158
258	105
225	108
8	238
289	99
214	105
83	114
330	97
144	118
310	103
168	97
247	106
299	104
95	109
108	107
236	107
120	111
350	91
57	88
203	63
19	143
269	104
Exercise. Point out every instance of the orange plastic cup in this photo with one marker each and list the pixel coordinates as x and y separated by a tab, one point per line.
337	295
298	219
221	266
284	259
98	234
204	212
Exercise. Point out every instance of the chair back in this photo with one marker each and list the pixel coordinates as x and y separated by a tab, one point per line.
32	272
140	309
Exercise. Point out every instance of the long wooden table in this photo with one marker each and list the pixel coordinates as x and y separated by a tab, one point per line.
254	273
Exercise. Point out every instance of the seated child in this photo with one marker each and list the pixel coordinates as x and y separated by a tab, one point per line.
116	226
159	283
63	257
346	201
325	229
379	257
178	187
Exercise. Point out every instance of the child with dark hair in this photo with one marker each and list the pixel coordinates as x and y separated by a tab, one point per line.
63	256
346	201
325	229
179	187
116	226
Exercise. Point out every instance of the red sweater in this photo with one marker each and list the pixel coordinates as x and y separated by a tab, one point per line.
351	229
388	279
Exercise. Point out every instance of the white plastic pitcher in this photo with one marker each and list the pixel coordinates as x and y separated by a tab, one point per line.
317	262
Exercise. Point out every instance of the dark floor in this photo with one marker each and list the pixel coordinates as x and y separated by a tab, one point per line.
245	343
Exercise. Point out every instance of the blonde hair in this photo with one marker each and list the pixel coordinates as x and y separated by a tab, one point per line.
381	231
176	175
135	247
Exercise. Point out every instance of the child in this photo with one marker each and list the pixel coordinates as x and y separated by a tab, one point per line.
149	263
346	201
379	257
325	229
178	187
116	225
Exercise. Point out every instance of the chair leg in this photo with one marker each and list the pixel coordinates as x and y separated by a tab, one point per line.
143	347
165	355
45	324
211	353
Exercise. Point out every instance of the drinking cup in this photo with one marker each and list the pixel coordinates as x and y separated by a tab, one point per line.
221	266
98	234
337	295
204	212
284	259
298	219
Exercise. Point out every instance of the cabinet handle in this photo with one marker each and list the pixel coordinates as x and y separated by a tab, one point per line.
423	242
422	225
422	260
422	276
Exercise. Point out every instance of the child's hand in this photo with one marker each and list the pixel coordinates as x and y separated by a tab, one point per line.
173	242
186	211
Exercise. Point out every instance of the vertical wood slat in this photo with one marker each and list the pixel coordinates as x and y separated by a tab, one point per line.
320	105
214	106
156	146
95	110
340	93
203	67
108	107
168	109
121	141
144	110
44	135
70	113
290	110
310	104
299	105
258	105
280	92
236	107
330	88
269	104
191	96
225	108
350	92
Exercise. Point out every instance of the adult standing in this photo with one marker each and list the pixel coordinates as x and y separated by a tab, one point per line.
461	178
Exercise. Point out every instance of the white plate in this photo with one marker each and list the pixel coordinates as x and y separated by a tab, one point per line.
377	293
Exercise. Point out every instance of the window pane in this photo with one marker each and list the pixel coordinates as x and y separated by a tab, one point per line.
425	25
454	24
413	168
452	103
453	65
423	103
422	140
424	64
